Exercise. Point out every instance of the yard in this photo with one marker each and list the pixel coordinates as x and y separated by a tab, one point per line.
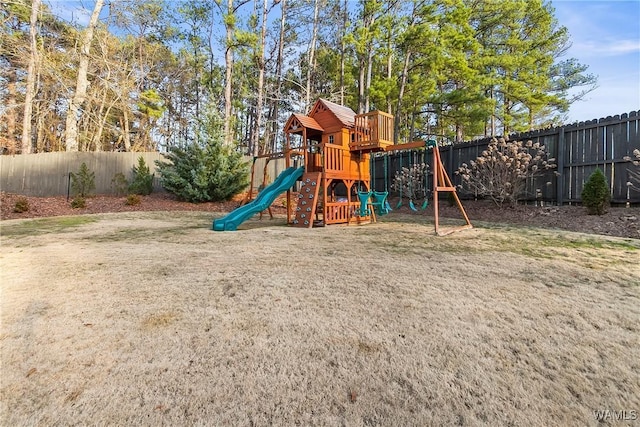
150	318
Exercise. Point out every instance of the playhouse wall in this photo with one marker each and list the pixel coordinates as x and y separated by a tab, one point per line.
359	167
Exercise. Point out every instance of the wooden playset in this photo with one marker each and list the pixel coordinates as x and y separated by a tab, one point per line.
331	146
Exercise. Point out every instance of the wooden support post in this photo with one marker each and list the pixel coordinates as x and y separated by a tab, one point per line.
249	194
442	183
287	162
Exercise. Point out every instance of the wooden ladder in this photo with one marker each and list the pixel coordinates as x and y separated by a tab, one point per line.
307	200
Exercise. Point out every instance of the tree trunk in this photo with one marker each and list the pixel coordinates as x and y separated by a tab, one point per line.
312	53
492	125
82	82
40	129
228	58
367	91
27	145
259	100
275	112
389	72
12	109
403	85
365	62
126	137
361	84
343	31
102	118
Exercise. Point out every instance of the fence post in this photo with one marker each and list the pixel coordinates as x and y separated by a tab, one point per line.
560	168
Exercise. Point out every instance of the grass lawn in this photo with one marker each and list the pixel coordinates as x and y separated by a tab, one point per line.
153	319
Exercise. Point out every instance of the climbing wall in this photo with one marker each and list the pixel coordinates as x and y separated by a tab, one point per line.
307	200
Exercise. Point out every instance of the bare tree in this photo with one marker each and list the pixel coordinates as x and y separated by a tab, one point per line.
27	146
82	82
261	65
343	30
312	53
271	136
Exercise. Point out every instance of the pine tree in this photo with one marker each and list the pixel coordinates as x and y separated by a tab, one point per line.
205	172
142	181
595	193
84	182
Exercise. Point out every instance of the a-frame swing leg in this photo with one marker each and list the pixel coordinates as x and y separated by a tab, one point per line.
442	183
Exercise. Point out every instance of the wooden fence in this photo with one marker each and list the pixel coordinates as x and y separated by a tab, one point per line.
578	149
47	174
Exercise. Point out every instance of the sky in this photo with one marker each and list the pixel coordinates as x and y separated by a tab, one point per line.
605	36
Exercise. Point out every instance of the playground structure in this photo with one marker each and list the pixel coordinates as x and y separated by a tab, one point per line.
329	151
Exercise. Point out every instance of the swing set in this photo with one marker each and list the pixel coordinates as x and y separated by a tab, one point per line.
441	184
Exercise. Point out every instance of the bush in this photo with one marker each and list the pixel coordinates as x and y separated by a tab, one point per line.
142	182
595	193
78	202
501	172
84	182
22	205
204	173
119	184
635	159
132	200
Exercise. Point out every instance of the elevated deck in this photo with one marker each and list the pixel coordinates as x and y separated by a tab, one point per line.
372	132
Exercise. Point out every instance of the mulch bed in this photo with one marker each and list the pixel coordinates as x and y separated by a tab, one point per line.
618	221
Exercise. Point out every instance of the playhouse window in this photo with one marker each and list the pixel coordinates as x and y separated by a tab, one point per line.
330	139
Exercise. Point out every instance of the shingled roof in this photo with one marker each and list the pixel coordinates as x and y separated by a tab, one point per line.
298	122
308	122
345	115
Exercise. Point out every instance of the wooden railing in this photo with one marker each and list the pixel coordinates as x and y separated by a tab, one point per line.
340	212
372	131
334	157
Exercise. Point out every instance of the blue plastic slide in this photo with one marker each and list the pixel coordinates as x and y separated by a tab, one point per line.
283	182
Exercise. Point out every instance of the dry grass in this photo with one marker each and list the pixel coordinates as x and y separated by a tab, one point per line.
153	319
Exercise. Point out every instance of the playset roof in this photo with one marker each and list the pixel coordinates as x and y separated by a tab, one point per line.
345	115
308	122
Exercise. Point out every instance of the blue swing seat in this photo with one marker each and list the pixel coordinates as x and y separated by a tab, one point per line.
364	196
379	202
